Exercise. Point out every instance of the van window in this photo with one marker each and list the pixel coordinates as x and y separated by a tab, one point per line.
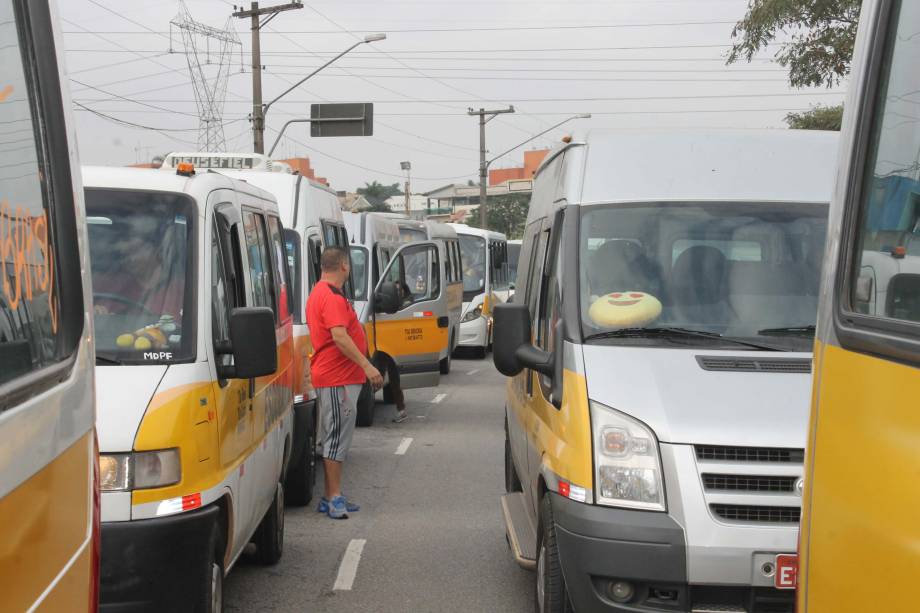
143	273
221	298
448	263
295	264
889	211
703	267
30	315
283	290
473	252
415	272
261	288
315	249
359	270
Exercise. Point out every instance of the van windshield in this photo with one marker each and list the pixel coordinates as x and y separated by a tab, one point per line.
473	256
143	281
744	271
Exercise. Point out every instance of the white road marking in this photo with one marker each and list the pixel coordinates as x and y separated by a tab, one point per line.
438	398
473	372
349	566
403	446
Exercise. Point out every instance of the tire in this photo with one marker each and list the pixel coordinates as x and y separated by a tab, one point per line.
444	365
366	403
550	595
512	482
210	599
301	478
269	538
479	353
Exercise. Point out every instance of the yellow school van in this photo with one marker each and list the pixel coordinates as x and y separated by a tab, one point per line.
859	530
194	352
49	503
402	303
312	220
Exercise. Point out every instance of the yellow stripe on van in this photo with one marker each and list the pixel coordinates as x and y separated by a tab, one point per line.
564	434
45	523
410	336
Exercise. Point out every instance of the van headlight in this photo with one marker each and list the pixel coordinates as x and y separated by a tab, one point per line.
627	462
472	314
123	472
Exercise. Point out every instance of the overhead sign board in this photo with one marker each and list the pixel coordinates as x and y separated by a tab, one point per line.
228	161
349	119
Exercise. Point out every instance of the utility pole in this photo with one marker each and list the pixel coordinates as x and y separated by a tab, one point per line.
254	13
483	163
408	168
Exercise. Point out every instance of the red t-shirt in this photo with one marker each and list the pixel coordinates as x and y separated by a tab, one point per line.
328	308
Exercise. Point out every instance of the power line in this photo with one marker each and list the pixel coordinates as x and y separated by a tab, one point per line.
586	79
117	14
133	101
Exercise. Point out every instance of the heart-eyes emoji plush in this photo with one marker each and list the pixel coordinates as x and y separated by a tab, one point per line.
625	309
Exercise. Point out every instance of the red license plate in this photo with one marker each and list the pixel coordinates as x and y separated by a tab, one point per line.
787	570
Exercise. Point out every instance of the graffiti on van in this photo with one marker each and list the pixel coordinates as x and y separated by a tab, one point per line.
26	259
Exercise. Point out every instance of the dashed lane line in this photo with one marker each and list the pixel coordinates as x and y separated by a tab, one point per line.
437	399
403	446
473	372
348	568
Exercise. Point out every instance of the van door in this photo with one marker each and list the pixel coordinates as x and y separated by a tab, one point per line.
232	397
412	336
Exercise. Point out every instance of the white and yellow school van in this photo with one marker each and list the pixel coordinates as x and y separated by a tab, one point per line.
194	346
312	220
401	301
49	504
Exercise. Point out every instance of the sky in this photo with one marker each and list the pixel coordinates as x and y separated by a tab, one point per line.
630	63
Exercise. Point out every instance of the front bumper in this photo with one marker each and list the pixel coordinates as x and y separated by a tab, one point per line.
474	333
155	564
600	545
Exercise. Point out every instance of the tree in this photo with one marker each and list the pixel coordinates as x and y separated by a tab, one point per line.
377	193
822	34
818	118
507	214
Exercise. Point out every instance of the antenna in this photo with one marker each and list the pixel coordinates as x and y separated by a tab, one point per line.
209	67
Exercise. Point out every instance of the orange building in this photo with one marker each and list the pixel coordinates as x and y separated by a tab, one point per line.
302	166
532	160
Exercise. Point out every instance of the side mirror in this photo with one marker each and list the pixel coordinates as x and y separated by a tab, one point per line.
386	298
512	350
863	291
253	343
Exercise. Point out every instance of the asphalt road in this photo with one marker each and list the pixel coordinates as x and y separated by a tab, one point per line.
429	536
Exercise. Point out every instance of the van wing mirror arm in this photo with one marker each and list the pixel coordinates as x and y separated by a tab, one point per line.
536	359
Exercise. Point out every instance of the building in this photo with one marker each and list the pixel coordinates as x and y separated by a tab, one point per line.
418	205
352	202
302	166
532	161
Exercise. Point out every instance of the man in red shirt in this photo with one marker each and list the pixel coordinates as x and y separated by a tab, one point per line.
339	367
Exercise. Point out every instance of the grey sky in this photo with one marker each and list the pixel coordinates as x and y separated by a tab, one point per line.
422	81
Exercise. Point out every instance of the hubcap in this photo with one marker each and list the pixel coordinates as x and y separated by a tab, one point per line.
541	578
216	588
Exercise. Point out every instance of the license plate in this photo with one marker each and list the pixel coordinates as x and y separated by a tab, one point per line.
787	570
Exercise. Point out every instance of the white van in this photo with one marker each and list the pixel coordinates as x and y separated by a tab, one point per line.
410	340
660	346
484	256
194	354
312	220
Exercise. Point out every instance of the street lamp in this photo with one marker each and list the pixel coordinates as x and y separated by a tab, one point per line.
407	166
259	123
484	164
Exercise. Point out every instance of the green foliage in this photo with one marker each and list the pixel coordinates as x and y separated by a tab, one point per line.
818	118
507	214
377	193
821	35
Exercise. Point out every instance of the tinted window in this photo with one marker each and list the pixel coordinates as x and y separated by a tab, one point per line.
261	290
473	253
888	236
143	262
295	263
30	319
359	270
283	290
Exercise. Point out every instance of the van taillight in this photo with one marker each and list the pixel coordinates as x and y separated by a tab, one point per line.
96	543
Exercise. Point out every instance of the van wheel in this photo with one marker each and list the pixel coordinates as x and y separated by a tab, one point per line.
512	482
269	538
444	366
210	599
551	595
302	477
366	402
479	353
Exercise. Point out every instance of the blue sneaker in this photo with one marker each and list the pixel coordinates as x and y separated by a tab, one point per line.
323	506
338	508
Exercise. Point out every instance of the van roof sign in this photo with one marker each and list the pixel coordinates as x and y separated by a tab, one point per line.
228	161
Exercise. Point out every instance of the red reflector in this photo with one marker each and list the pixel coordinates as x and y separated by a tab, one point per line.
191	502
427	313
564	489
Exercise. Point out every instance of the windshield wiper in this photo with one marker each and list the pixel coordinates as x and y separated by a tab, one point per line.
674	331
101	359
789	331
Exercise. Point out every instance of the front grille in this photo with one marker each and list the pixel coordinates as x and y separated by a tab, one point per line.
720	453
746	364
757	514
739	483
